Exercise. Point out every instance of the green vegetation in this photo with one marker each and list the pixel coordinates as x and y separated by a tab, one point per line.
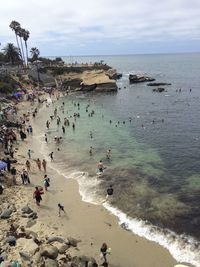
11	54
7	84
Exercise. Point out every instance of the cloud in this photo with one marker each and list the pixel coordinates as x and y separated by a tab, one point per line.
57	25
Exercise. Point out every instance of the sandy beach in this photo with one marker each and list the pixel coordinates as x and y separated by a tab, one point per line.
91	224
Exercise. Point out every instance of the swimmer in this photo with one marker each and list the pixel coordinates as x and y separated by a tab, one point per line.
90	151
108	154
91	135
73	126
100	166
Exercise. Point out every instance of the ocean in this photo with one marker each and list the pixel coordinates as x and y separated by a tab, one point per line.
155	148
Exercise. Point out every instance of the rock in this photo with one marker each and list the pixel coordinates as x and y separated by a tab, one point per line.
51	263
62	249
113	74
49	251
72	241
158	90
26	209
29	246
134	78
25	256
6	214
158	84
83	261
56	239
30	223
106	87
11	240
33	215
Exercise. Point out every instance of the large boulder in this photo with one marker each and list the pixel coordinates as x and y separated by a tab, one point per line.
51	263
56	239
158	90
49	251
27	210
73	242
135	78
113	74
6	214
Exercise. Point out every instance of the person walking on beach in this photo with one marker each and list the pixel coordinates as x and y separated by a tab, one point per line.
46	182
38	162
44	165
25	177
13	172
103	254
47	124
28	166
8	164
29	153
51	156
60	209
45	138
37	195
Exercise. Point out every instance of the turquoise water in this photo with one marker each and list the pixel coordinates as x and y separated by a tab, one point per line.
154	167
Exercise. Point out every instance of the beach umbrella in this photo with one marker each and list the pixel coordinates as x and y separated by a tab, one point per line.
3	165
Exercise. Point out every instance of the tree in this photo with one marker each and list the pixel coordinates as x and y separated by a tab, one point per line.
20	34
15	26
26	35
12	53
34	53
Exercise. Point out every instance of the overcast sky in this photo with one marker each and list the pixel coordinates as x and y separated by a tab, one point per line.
100	27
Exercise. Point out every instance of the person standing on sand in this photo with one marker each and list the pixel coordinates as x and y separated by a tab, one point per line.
13	171
29	153
37	195
45	138
60	208
38	162
46	182
28	166
103	253
47	124
51	156
44	165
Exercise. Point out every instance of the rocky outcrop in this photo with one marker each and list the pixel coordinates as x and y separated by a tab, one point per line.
72	83
158	90
134	78
158	84
113	74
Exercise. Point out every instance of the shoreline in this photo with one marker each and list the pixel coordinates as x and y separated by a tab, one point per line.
93	224
115	218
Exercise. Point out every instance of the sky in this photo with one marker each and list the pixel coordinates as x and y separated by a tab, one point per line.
104	27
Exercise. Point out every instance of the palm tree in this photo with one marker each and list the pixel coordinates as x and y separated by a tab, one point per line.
15	26
20	34
26	35
12	53
34	53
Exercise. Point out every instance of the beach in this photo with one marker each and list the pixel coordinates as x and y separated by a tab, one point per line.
91	224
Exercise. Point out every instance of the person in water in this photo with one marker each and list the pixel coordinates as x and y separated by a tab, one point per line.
109	191
90	151
100	166
108	154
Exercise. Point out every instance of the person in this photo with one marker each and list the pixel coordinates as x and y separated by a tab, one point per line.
28	165
47	124
30	129
44	165
63	129
109	191
45	138
25	177
38	162
103	254
108	154
100	166
73	126
8	164
90	151
29	153
11	151
1	189
60	208
46	182
51	156
37	195
13	171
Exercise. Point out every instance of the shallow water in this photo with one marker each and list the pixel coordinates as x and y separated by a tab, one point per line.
154	169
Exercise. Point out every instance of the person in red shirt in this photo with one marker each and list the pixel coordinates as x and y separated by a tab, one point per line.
37	195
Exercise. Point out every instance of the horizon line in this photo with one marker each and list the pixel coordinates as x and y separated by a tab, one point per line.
137	54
